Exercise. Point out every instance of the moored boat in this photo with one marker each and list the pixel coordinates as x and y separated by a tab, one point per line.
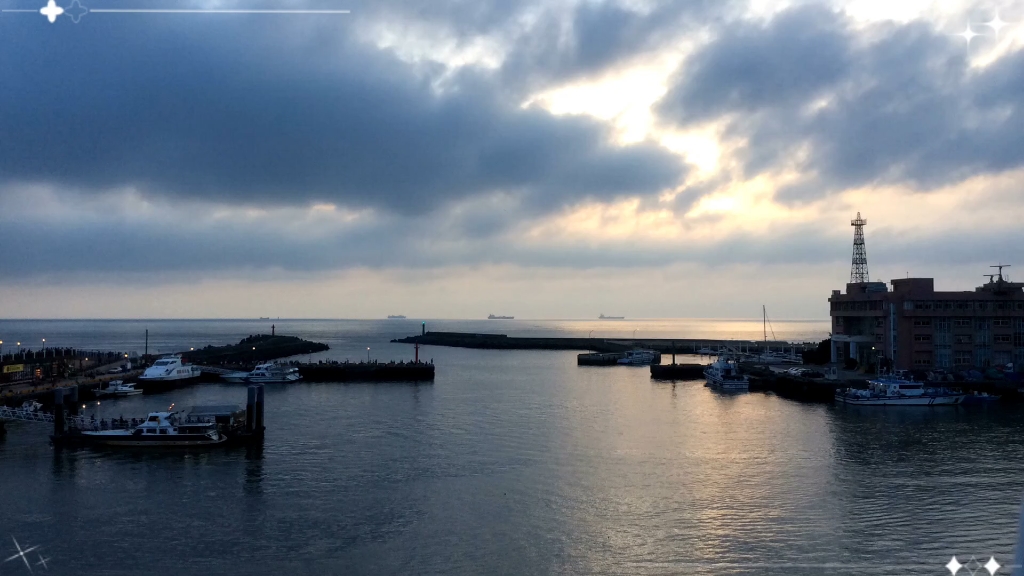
897	391
160	429
724	374
265	373
167	372
639	357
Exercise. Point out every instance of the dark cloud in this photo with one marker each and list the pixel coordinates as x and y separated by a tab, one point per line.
594	37
259	111
886	104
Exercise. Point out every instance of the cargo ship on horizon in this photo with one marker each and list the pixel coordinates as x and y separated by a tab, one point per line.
493	317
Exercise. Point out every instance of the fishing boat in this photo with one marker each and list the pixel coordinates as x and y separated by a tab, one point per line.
265	373
898	391
724	374
639	357
161	429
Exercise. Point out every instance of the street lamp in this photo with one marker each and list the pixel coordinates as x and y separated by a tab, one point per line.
367	354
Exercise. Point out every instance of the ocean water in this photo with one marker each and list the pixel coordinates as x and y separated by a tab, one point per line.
513	462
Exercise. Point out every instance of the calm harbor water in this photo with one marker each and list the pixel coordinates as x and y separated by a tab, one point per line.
514	462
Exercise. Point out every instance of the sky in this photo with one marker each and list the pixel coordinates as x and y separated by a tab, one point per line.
543	159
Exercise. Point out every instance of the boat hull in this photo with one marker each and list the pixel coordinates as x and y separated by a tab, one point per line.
134	441
950	400
161	384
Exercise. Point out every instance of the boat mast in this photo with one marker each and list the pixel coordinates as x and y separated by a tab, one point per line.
764	328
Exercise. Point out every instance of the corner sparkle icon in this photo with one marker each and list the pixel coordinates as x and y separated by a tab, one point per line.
22	553
76	11
51	11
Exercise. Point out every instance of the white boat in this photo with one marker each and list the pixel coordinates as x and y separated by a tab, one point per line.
638	357
160	429
266	373
31	406
724	374
897	391
169	369
123	389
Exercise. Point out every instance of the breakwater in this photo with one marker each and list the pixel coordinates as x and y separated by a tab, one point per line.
368	372
608	345
253	349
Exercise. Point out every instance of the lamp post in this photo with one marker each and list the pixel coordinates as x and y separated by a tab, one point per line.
1	350
367	354
44	348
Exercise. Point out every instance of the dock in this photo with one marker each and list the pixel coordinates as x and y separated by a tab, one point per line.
368	372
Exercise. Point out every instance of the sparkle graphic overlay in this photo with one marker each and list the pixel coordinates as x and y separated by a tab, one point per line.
973	566
21	553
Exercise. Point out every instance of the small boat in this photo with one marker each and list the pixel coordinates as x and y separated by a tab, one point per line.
639	358
724	374
493	317
603	317
265	373
106	388
123	389
396	317
161	429
976	397
898	391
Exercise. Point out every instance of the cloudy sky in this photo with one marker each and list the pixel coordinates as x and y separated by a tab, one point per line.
542	158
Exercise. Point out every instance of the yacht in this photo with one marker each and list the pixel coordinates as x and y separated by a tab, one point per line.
169	369
164	429
603	317
639	357
106	388
898	391
493	317
265	373
724	374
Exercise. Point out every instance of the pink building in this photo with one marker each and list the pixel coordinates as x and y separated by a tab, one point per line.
915	327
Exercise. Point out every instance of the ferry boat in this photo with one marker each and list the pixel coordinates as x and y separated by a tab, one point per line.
265	373
898	391
639	357
396	317
603	317
169	370
161	429
724	374
493	317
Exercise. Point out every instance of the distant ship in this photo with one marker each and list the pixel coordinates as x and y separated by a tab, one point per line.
603	317
396	317
264	317
493	317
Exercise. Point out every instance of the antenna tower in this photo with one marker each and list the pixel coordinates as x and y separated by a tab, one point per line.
859	269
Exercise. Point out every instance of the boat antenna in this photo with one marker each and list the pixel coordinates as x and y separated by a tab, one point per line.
1000	267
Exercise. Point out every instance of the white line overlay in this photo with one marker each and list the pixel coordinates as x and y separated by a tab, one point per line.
173	11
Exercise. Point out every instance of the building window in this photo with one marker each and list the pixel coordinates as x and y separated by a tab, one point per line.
981	306
922	322
922	337
963	339
962	322
943	357
1002	322
1002	339
961	358
981	325
908	305
963	306
942	325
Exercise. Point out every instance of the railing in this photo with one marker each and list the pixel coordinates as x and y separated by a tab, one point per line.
21	415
